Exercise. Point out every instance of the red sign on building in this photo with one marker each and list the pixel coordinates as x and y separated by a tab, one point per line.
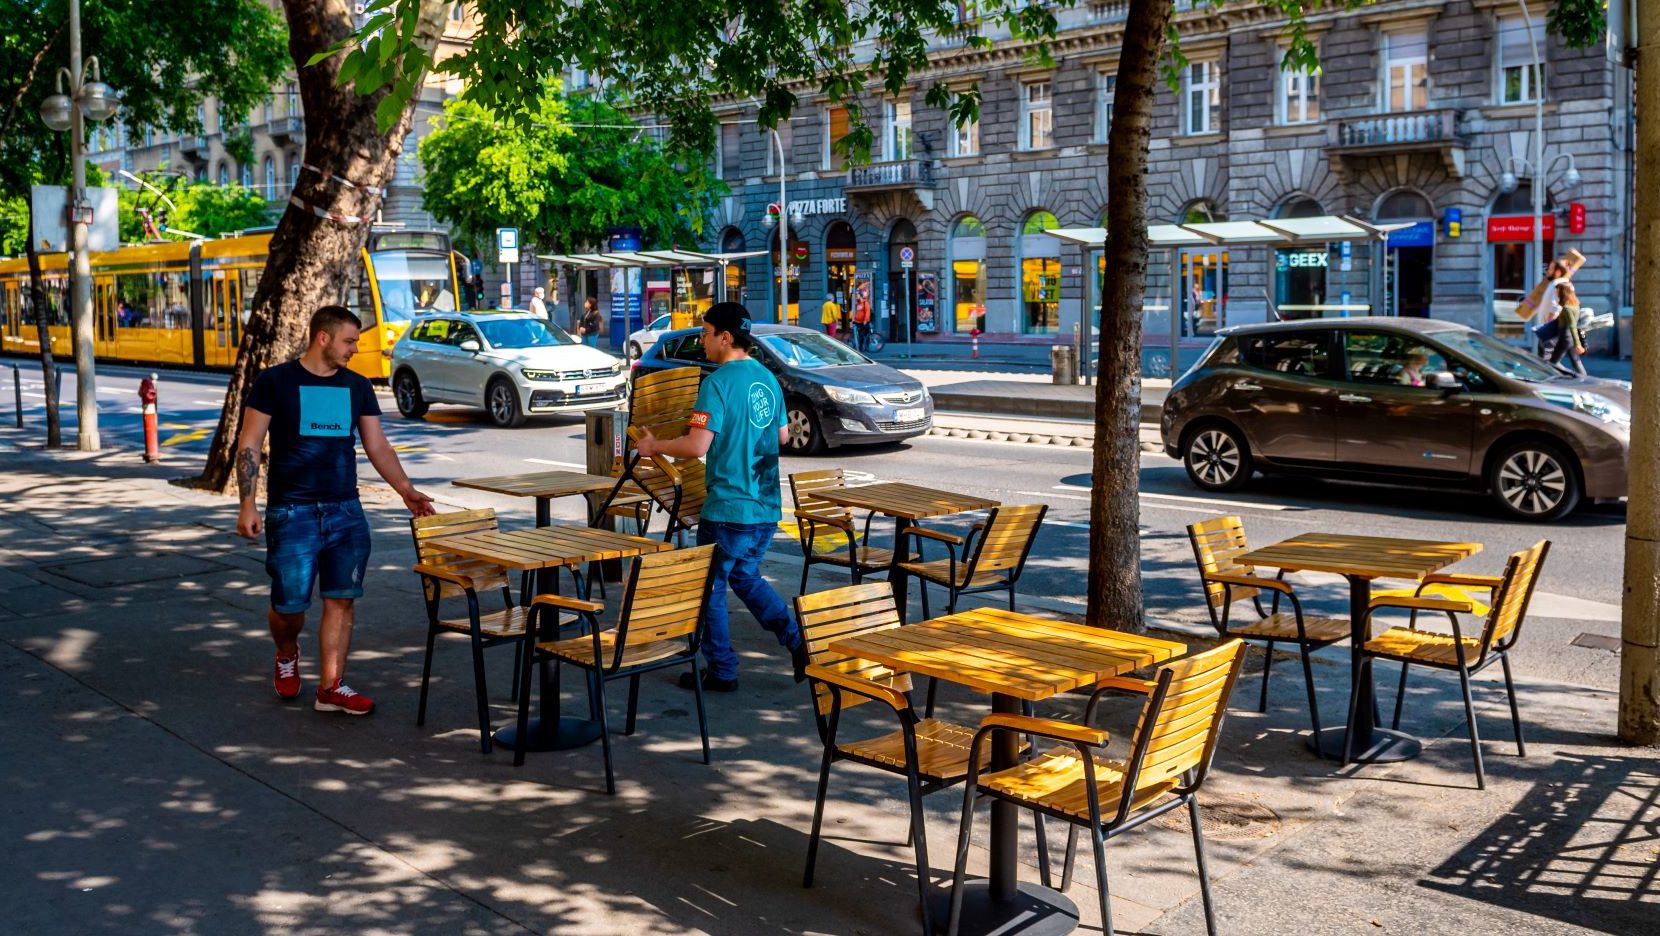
1576	218
1518	228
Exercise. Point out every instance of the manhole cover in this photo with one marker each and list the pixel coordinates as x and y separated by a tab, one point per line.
1597	642
1226	816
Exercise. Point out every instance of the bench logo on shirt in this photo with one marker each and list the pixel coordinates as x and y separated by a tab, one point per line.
326	411
761	406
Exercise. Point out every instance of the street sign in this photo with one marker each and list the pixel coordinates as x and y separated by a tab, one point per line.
907	255
1346	251
906	264
507	245
507	255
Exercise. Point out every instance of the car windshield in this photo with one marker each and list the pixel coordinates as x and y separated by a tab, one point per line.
1511	362
811	351
523	333
660	323
412	284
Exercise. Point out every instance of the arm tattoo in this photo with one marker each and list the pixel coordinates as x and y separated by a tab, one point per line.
247	472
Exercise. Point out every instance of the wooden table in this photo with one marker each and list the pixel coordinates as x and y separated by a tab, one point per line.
536	551
906	504
1360	559
544	486
1017	658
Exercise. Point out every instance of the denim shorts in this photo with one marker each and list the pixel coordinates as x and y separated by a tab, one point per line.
308	542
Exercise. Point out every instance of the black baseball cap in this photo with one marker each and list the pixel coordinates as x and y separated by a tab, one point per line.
732	318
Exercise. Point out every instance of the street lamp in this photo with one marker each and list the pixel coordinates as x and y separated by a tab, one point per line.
85	100
1570	179
1509	182
785	215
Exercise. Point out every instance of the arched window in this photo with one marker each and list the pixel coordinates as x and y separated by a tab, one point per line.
293	170
1040	275
966	251
246	176
1201	211
1403	206
224	174
737	272
841	256
1410	262
270	177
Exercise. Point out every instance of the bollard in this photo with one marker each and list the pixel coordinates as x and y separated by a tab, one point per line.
17	392
147	396
975	334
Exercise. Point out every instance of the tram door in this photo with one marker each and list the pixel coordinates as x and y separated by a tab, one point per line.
222	324
11	317
106	319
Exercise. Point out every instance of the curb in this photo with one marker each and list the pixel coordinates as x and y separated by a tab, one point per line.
1059	435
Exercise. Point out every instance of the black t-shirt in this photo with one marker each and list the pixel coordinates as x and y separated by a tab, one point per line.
313	431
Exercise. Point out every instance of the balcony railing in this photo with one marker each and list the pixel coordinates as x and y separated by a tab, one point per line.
889	176
1428	131
285	128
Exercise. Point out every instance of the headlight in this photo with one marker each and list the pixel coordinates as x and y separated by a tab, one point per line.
618	368
1591	404
844	395
539	374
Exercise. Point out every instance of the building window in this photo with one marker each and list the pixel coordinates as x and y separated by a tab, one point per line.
270	177
1521	76
900	141
293	96
965	138
149	136
224	174
967	252
1037	116
458	12
201	119
1298	101
1106	86
579	79
1300	272
729	152
1040	275
270	110
246	176
835	130
968	11
293	170
1202	98
1405	71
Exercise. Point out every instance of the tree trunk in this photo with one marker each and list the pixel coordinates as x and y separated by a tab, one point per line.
313	260
1640	611
1114	509
48	367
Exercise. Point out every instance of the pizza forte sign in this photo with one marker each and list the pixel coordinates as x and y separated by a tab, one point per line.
817	206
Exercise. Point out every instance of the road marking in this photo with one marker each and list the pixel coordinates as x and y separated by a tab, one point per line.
207	402
1052	494
405	447
194	435
1208	501
557	464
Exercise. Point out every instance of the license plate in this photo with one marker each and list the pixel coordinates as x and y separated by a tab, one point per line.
578	390
910	415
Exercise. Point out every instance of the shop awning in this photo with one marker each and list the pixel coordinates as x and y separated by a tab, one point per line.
649	258
1271	232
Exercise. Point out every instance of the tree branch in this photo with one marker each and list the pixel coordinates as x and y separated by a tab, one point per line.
28	82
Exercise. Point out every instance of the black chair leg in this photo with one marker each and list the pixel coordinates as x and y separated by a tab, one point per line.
805	565
1400	697
604	732
919	833
1313	703
961	869
1071	857
1267	664
1100	843
482	692
818	816
1044	871
702	717
1204	873
426	677
1475	737
1515	713
522	739
633	702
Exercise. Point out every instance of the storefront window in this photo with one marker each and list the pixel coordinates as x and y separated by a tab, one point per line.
1040	275
1408	276
1300	272
737	273
968	274
799	255
841	253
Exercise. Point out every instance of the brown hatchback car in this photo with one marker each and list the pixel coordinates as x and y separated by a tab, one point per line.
1399	401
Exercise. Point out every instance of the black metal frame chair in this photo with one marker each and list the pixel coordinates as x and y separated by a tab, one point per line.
816	517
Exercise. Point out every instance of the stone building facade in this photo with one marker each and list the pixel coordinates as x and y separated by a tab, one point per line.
1419	112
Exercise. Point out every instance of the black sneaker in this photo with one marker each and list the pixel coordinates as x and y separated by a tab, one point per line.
798	657
711	683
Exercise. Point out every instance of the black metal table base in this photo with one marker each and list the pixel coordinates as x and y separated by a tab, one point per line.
1387	747
569	733
1033	911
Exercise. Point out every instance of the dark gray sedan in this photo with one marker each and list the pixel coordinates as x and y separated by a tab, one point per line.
834	394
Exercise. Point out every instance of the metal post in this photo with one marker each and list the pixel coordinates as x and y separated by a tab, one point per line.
17	392
783	237
1538	142
905	317
80	270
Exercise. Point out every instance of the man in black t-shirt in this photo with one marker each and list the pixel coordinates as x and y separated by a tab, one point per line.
314	525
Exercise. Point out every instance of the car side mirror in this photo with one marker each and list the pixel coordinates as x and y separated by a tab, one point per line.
1445	380
470	346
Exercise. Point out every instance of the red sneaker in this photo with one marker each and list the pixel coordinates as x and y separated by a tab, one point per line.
342	698
287	681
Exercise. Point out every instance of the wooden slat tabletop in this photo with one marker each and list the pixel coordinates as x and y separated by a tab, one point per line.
1359	556
992	650
541	484
906	501
547	547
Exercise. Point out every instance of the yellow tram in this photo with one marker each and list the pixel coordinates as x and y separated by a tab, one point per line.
186	303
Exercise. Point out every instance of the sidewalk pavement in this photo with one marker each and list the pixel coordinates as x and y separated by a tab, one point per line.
156	784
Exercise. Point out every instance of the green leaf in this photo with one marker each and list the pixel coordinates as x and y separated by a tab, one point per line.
389	110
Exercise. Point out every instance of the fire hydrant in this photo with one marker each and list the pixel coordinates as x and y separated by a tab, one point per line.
975	334
147	396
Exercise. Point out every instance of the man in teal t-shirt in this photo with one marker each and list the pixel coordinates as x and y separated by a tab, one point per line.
737	425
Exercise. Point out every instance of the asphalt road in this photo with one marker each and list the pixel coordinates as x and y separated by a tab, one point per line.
1578	599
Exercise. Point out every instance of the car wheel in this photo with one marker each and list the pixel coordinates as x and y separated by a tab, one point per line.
1217	458
634	351
805	437
501	398
1534	481
406	389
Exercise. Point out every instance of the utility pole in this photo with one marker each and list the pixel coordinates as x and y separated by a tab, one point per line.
80	277
1640	609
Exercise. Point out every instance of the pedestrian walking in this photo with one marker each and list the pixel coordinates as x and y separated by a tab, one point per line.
314	527
539	305
737	426
1545	327
861	318
1570	339
587	325
830	316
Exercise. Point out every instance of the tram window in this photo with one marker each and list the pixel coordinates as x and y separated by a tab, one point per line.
412	284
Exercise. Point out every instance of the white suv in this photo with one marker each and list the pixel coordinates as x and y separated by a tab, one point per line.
512	363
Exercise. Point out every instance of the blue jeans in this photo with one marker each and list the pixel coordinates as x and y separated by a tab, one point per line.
591	341
326	543
739	548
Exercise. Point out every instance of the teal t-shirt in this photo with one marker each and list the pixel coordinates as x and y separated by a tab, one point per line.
742	404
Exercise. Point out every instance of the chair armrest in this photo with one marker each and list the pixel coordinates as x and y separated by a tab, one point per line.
1127	684
663	464
1249	581
569	604
443	574
864	687
1466	580
1047	728
840	523
1421	603
939	535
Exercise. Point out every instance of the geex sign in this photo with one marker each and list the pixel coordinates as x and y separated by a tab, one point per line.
1302	259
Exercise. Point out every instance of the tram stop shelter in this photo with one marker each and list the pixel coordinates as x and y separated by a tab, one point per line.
1196	286
633	294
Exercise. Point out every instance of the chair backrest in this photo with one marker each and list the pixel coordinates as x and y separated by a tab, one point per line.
660	486
456	523
1007	538
1510	601
1217	545
667	594
1180	722
838	614
661	401
804	488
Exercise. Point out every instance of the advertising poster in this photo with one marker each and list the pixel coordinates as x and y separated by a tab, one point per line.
927	299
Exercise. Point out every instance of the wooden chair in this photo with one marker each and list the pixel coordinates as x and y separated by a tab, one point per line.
446	575
930	754
1511	593
661	403
659	625
677	488
1217	546
993	554
1169	758
818	517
